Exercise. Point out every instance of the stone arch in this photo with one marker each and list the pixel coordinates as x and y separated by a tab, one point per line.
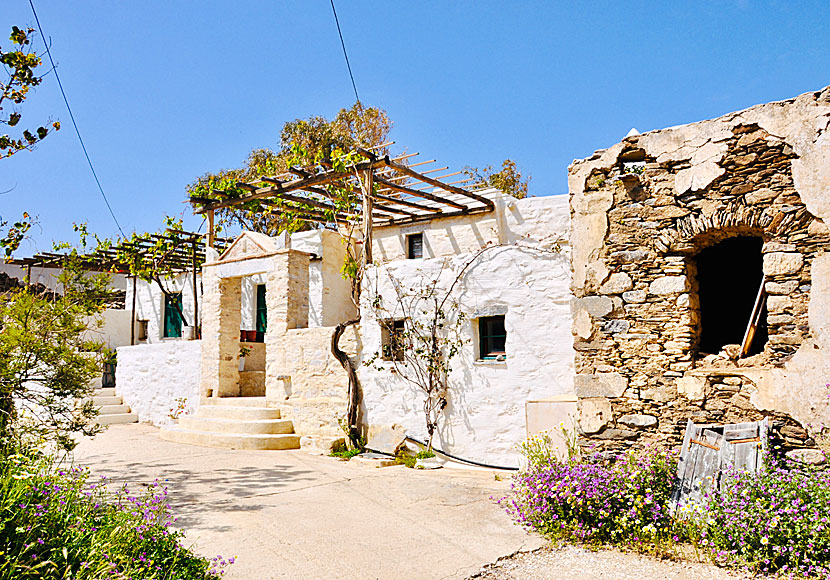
686	233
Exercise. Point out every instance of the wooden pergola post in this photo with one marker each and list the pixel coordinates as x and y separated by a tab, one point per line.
367	179
196	324
132	318
210	228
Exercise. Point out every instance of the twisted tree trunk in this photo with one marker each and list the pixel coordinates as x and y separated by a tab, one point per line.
355	392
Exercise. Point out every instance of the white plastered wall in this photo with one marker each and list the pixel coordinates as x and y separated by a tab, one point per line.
520	276
149	302
150	377
329	294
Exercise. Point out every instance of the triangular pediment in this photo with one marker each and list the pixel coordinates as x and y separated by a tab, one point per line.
250	245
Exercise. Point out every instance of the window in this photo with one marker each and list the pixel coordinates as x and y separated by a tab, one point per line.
491	338
142	329
392	339
261	310
730	278
415	246
172	316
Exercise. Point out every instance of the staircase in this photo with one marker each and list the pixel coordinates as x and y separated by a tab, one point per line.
112	409
234	423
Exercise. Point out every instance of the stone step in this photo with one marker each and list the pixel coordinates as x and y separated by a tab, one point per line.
108	392
107	401
178	434
233	401
262	427
114	410
117	419
236	413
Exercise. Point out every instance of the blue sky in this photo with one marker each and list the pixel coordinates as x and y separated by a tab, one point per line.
165	91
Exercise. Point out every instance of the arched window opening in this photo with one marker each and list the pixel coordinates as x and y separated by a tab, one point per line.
729	278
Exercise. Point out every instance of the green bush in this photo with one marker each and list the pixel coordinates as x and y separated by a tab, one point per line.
57	524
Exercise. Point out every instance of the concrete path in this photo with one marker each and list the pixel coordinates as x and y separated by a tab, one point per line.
290	514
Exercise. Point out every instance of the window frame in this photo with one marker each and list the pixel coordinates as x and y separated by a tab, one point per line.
410	238
391	340
486	336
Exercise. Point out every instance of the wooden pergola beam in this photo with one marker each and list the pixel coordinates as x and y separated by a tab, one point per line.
450	188
287	187
406	203
423	194
426	218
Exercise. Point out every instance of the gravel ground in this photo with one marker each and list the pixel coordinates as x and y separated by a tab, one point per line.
573	563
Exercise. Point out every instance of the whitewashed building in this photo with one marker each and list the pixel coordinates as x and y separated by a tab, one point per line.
514	295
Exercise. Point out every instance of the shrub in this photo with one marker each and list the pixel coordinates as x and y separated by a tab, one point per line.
622	501
775	520
56	524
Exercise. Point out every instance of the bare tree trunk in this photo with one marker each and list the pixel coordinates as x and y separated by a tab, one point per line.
355	392
176	303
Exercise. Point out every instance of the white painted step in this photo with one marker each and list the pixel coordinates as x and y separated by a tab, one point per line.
107	401
233	402
262	427
117	419
237	413
114	410
108	392
229	440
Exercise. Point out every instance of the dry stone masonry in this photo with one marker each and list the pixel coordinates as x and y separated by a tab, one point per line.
642	212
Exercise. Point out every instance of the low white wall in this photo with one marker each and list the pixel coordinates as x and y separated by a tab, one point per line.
485	416
150	377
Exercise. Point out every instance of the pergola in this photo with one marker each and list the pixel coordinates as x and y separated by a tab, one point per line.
185	251
182	252
388	190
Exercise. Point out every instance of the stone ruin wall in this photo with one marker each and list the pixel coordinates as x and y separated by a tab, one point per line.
641	211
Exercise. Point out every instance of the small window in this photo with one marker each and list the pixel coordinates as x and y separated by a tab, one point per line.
492	338
142	329
172	316
261	310
415	246
392	339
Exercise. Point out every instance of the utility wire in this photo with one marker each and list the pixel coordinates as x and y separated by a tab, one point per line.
74	124
343	44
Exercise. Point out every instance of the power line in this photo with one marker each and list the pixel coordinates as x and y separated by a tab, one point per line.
74	124
343	44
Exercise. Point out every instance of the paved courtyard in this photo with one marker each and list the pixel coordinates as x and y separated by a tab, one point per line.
291	514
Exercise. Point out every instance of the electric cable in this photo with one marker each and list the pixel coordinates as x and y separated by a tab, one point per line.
343	44
72	117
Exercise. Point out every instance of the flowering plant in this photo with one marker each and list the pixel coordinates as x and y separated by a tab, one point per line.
775	520
58	524
620	501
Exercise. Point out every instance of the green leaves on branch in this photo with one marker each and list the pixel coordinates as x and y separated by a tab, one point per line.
11	238
20	64
47	361
303	143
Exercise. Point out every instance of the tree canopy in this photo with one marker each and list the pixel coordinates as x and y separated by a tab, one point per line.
316	138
